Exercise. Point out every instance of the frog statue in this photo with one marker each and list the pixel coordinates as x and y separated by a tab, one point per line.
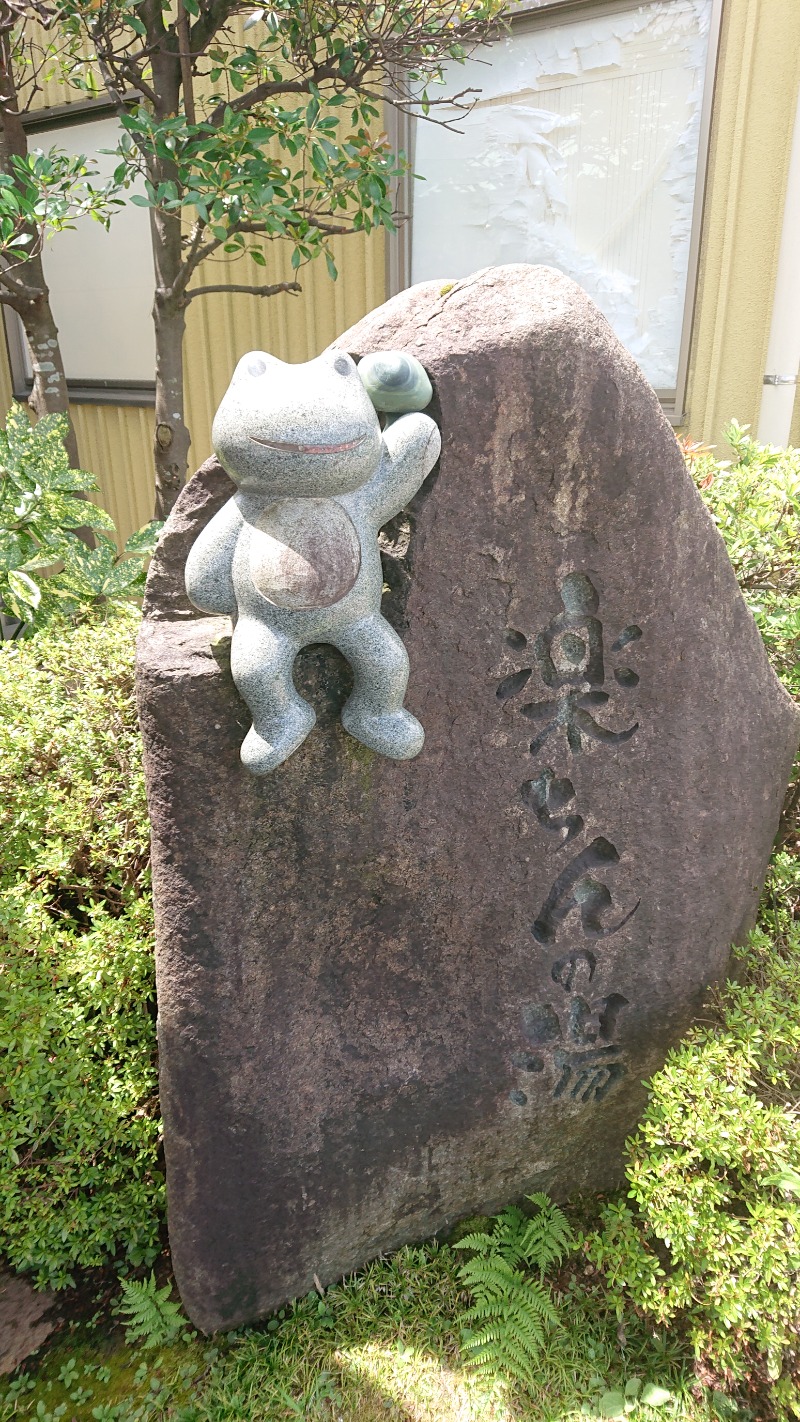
293	556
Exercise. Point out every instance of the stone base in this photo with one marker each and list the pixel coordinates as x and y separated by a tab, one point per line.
393	994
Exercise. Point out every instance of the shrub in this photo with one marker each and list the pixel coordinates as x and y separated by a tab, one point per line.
714	1173
79	1131
755	503
709	1235
46	570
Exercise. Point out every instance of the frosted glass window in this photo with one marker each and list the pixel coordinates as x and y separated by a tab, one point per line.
101	283
581	153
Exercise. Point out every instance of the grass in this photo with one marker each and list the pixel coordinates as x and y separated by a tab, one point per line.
383	1344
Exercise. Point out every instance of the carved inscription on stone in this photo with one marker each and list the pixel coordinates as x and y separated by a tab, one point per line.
570	1040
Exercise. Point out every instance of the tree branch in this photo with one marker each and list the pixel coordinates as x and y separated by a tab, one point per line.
259	229
290	286
21	291
204	29
20	303
186	63
271	88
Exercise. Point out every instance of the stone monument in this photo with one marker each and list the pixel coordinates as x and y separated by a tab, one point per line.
395	992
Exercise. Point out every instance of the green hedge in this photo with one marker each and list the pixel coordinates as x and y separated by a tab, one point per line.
708	1238
79	1129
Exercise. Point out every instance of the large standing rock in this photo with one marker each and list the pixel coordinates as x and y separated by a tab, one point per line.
394	993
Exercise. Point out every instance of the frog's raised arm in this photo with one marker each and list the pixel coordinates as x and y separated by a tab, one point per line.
209	581
411	446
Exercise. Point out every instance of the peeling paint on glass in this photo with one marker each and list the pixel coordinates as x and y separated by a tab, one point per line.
580	153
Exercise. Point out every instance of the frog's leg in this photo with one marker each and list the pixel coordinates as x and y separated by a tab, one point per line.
374	712
261	664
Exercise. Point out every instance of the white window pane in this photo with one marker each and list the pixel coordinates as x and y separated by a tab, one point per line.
581	153
101	283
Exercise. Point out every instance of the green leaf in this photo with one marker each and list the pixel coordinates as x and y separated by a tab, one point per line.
655	1396
91	515
633	1387
145	539
122	578
611	1404
24	588
786	1179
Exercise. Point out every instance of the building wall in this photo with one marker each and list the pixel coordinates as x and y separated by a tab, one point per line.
115	442
755	97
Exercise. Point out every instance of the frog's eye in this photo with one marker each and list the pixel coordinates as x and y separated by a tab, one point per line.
342	365
256	366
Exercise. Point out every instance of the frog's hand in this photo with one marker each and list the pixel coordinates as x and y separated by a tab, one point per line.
209	581
411	446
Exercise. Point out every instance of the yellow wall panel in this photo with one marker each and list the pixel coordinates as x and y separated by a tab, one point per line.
756	96
115	444
794	437
6	387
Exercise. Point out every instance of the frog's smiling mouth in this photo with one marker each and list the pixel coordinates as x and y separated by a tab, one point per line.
288	448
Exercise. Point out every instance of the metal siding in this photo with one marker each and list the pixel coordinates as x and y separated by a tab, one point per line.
6	387
114	442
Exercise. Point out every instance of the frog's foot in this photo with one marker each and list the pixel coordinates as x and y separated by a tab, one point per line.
396	734
264	753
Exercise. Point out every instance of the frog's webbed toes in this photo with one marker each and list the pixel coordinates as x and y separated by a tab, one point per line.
263	753
395	734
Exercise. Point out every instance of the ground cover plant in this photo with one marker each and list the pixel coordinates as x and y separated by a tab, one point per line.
385	1344
678	1298
79	1178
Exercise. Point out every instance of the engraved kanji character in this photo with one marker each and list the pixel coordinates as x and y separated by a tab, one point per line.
548	796
576	889
583	1023
570	657
570	713
570	650
590	1022
588	1076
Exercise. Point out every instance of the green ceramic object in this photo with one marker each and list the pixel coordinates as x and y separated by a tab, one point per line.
395	382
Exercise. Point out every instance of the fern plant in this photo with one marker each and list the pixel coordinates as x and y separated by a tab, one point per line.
512	1315
152	1317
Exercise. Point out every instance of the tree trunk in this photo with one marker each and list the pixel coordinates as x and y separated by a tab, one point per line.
172	439
49	395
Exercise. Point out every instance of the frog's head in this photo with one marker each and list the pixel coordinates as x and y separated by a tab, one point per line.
296	430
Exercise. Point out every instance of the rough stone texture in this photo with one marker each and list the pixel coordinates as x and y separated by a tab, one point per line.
26	1321
393	994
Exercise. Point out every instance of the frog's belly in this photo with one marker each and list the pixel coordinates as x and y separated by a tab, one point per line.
304	553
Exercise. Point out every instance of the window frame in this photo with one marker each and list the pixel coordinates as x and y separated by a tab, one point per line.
81	392
541	14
